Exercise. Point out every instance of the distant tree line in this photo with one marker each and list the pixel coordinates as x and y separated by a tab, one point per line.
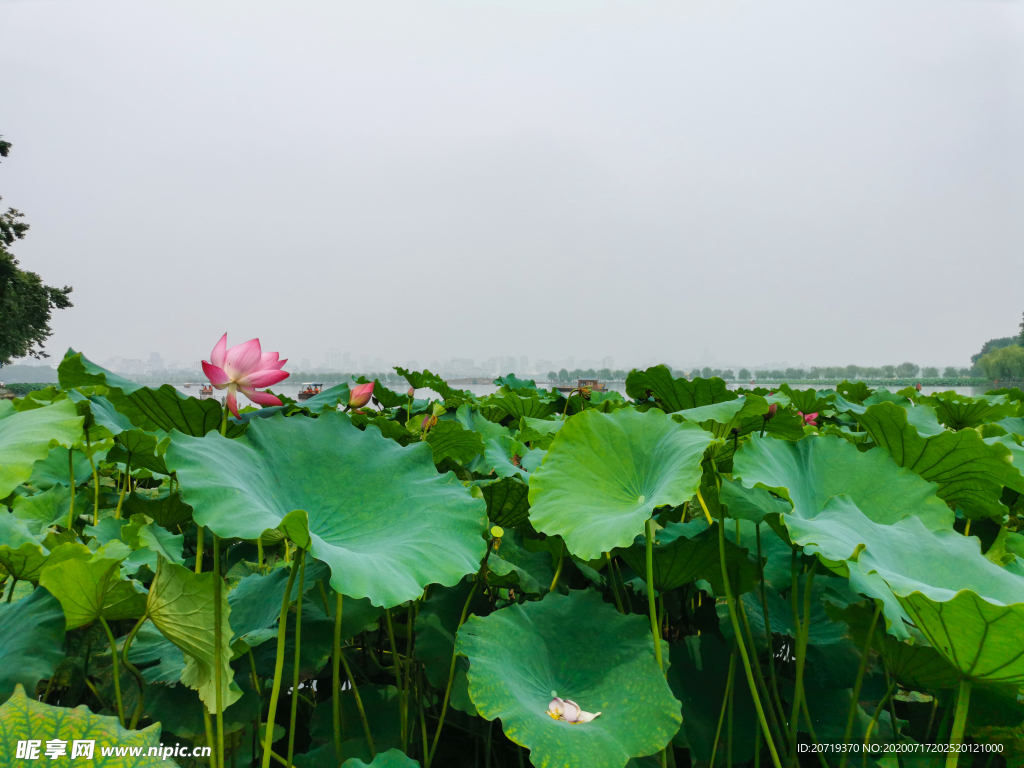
1003	359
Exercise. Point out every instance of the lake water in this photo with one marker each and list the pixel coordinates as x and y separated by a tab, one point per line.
482	390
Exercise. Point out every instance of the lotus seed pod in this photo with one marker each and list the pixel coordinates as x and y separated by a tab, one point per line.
497	531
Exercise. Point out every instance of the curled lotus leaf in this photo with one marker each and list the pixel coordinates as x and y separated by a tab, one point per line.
381	517
811	471
673	394
605	474
969	609
393	758
579	648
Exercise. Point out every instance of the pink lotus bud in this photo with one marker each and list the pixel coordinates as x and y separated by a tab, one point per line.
810	419
412	391
771	411
918	387
360	395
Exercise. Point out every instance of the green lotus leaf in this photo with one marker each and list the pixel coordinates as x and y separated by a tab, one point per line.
23	718
958	411
169	511
672	394
387	398
31	641
53	470
538	433
969	472
450	440
380	515
426	380
152	542
181	605
52	507
381	705
507	501
92	589
718	416
160	660
808	400
811	471
685	552
511	381
969	609
517	406
164	408
328	398
923	417
506	457
606	474
1013	424
27	437
577	647
750	503
179	710
393	758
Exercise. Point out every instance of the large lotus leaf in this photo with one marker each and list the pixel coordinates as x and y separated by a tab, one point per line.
813	470
538	433
52	507
1013	424
970	609
152	542
923	417
808	400
393	758
577	647
698	677
606	474
22	718
164	408
685	552
672	394
450	440
169	511
92	589
53	470
970	473
27	437
328	398
31	641
506	457
517	406
160	660
750	503
426	380
379	514
507	501
958	411
181	605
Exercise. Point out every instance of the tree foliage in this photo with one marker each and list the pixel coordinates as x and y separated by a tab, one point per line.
25	301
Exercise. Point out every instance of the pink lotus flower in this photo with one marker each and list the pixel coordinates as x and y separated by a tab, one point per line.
360	395
809	418
244	368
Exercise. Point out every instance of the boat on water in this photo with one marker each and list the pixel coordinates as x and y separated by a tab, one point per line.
205	392
188	385
593	385
310	389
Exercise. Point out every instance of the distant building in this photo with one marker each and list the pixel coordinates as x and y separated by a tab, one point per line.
524	364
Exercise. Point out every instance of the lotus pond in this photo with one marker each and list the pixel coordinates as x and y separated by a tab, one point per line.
680	574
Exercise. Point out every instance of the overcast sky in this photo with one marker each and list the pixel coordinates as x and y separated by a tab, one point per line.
809	182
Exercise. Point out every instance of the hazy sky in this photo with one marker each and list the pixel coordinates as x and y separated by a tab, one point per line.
816	182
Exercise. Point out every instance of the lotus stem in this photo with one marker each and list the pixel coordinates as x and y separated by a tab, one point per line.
124	487
858	682
410	622
956	736
14	582
336	679
259	692
814	736
135	672
95	479
804	631
481	574
298	648
967	528
71	475
731	698
649	536
611	582
259	551
217	651
275	692
558	570
359	706
397	667
199	549
736	630
776	732
768	631
874	718
209	736
117	671
725	701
